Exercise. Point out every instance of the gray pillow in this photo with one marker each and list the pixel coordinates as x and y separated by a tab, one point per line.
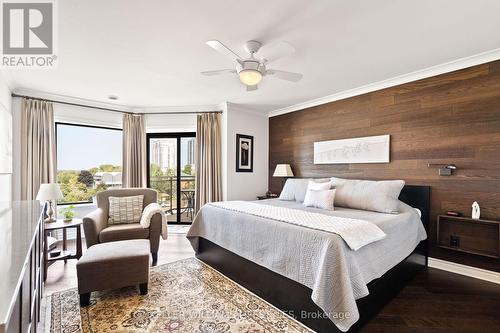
378	196
296	188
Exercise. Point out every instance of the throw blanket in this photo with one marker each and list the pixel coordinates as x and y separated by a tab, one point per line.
148	213
356	233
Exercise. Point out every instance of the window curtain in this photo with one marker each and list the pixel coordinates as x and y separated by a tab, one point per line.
208	159
38	146
134	151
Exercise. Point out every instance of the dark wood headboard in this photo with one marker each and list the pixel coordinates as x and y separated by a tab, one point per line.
418	196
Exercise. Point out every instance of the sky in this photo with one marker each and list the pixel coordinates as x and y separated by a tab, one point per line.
82	148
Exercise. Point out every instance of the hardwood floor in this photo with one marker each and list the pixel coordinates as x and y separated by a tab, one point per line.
435	301
439	301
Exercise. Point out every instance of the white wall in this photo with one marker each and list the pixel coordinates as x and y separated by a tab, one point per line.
237	119
158	123
6	104
86	116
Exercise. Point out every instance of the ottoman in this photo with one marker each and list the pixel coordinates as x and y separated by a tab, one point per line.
113	265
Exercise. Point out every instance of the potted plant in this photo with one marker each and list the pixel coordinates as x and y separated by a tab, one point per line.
68	213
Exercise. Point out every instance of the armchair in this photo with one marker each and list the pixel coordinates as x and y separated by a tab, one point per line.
95	224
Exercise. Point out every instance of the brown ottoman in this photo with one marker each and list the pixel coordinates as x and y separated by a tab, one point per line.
113	265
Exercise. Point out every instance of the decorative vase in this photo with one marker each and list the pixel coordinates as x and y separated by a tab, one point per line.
476	211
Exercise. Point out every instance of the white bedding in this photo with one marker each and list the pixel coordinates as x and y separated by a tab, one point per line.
317	259
355	232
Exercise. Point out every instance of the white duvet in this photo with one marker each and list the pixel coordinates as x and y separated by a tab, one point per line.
355	232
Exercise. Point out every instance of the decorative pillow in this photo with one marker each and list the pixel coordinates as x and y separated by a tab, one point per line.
320	199
315	186
288	191
296	188
377	196
125	209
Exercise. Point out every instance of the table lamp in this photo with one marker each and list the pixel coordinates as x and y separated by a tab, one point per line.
283	170
49	192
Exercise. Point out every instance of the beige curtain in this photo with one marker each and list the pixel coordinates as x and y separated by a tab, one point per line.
208	159
38	146
134	151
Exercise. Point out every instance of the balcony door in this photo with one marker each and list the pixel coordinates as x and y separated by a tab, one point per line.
171	171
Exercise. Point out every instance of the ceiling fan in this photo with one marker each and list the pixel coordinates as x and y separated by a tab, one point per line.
252	69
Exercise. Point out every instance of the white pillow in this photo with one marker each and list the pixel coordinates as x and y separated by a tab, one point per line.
378	196
315	186
296	188
291	185
320	199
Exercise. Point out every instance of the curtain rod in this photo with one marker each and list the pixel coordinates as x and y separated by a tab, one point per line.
108	109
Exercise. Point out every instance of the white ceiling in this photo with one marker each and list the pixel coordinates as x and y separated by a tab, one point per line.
150	53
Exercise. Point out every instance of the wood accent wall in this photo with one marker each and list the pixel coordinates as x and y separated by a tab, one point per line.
450	118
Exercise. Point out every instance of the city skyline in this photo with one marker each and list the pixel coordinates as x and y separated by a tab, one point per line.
163	152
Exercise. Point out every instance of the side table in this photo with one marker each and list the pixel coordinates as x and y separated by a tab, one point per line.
65	254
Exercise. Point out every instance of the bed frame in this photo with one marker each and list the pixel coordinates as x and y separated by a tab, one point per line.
294	298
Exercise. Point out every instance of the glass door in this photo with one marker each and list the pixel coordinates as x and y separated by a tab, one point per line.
171	171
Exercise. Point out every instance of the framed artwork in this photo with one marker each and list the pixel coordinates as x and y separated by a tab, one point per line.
369	149
244	153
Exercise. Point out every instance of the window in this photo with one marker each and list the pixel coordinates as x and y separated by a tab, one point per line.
89	160
172	173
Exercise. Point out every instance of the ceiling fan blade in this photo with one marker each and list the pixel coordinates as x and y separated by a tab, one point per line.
284	75
276	51
252	88
223	49
218	72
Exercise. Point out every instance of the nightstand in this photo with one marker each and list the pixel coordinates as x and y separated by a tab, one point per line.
464	234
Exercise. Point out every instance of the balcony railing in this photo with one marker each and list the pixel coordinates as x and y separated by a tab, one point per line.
167	196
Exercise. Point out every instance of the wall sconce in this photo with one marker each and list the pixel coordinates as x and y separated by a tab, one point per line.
444	169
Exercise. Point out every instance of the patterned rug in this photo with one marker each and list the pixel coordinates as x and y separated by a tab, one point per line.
184	296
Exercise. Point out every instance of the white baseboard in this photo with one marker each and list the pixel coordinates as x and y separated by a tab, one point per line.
474	272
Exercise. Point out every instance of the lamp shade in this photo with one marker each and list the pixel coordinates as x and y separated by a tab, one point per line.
283	170
50	191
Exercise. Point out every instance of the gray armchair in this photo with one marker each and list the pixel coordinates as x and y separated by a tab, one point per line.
96	229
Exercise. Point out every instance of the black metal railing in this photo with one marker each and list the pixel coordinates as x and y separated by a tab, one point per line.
167	193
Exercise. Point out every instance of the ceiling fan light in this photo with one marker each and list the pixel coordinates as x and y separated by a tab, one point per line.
250	77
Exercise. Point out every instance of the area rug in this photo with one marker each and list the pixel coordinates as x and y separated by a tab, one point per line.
184	296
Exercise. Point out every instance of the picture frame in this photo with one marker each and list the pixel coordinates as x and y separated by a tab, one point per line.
244	153
368	149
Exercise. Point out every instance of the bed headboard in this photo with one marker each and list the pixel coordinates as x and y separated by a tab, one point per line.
418	196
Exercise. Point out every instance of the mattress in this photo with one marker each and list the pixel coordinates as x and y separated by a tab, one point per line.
320	260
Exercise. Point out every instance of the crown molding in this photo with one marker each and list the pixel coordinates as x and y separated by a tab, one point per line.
241	108
474	272
179	109
69	99
447	67
120	107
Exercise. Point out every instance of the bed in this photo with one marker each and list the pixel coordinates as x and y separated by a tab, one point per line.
312	275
